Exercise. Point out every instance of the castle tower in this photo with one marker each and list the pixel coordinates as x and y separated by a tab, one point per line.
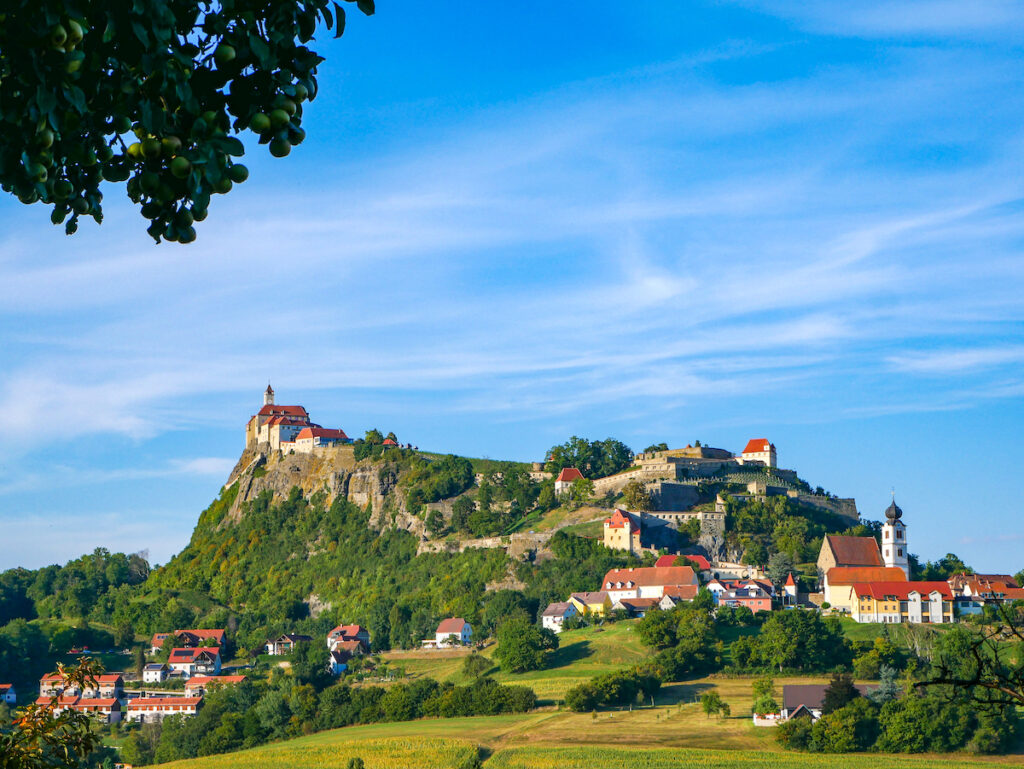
894	539
268	396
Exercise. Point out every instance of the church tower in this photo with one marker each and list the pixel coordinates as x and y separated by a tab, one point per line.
268	396
894	539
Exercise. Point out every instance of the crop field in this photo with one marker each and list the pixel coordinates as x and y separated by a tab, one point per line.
392	753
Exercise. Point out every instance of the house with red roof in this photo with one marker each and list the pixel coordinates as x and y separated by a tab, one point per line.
454	631
898	602
564	480
106	710
189	638
197	686
203	660
59	703
155	709
759	451
677	594
347	634
309	438
645	581
839	578
53	684
8	694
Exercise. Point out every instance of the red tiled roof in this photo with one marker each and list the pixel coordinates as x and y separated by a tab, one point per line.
620	519
97	702
288	411
639	603
389	442
62	702
109	678
1014	594
669	560
321	432
217	634
347	631
196	682
790	582
901	590
683	592
854	551
757	446
140	702
451	625
158	639
569	474
355	645
193	653
649	576
849	575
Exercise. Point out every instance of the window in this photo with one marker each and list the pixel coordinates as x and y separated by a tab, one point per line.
900	552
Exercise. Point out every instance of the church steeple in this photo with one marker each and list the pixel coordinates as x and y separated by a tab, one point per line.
268	396
894	539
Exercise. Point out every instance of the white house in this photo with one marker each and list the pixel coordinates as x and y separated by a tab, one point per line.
646	581
556	614
105	709
203	660
565	479
759	450
153	709
344	633
453	631
154	673
7	694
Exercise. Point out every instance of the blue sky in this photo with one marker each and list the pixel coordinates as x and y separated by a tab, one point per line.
509	225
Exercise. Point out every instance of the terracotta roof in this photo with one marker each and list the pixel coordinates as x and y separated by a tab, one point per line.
670	560
757	446
321	432
854	551
1014	594
639	603
590	597
97	702
62	702
140	702
849	575
683	592
196	682
790	582
193	653
296	421
5	687
203	634
648	576
901	590
158	639
451	625
620	519
389	442
109	678
289	411
569	474
347	631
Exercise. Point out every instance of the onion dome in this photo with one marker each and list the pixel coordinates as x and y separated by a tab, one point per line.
893	512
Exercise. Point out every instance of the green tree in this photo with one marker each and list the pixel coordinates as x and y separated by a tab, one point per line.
185	77
635	496
475	665
521	646
765	695
711	703
838	693
780	566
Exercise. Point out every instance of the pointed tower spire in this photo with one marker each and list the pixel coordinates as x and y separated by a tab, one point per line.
268	396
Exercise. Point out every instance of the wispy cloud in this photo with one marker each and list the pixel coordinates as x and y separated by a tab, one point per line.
957	361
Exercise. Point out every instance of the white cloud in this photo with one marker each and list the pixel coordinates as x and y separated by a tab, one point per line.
957	361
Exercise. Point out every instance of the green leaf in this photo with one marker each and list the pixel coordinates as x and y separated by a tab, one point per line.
45	99
339	14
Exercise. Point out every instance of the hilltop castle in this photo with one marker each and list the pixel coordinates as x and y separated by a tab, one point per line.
289	428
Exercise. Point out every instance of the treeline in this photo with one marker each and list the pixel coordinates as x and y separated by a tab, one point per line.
594	459
256	712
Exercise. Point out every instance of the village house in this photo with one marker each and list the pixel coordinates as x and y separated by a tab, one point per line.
188	638
8	694
197	686
789	591
345	634
155	709
284	643
556	614
984	588
595	603
808	700
154	672
677	594
309	438
204	660
564	480
454	631
53	684
839	579
636	607
645	581
759	451
63	702
337	662
107	685
896	602
105	709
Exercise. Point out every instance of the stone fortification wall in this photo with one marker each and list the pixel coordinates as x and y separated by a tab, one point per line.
517	545
844	507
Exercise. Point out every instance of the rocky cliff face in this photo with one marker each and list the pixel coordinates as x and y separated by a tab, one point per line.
334	472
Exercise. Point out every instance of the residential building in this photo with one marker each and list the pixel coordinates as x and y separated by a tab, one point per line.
645	581
454	631
349	633
154	672
564	480
759	451
595	603
204	660
60	703
197	686
985	588
894	602
808	699
188	638
154	709
53	684
677	594
636	607
107	685
622	532
838	580
337	662
7	694
750	594
105	709
837	550
285	643
894	540
557	613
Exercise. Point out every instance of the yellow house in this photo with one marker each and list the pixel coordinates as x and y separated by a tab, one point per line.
896	602
839	580
597	603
